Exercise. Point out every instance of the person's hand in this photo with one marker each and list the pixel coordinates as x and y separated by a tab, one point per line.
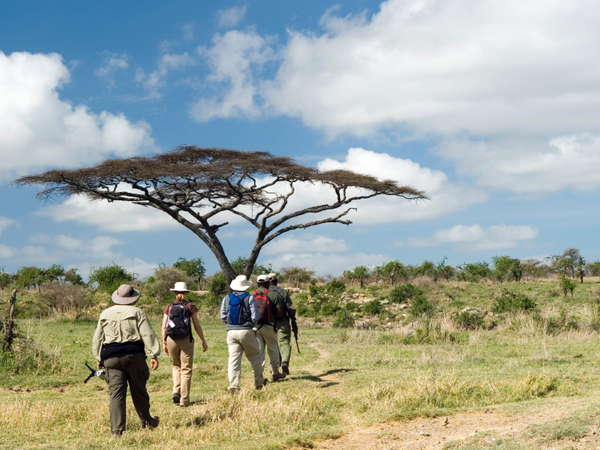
154	363
100	364
165	349
204	346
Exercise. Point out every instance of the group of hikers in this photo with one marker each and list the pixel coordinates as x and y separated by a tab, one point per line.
257	323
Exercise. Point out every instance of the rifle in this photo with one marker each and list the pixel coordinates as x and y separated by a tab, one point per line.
292	314
100	373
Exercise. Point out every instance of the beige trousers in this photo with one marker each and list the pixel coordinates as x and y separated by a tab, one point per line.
182	354
267	338
242	342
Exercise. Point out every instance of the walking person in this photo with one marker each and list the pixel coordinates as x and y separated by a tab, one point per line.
282	323
178	341
121	342
239	312
268	303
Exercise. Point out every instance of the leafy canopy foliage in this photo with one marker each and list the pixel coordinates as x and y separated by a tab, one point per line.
109	278
197	186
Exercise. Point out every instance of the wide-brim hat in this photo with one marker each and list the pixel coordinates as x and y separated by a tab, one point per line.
125	295
180	286
240	283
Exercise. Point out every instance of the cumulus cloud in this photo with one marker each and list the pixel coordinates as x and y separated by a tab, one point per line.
88	254
475	237
299	244
38	130
332	264
111	64
156	80
231	17
234	59
529	166
5	222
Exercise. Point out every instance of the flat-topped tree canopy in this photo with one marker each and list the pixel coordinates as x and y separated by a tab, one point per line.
194	185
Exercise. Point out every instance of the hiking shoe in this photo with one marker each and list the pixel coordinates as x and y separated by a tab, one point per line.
117	434
285	369
265	381
152	423
233	390
279	376
176	398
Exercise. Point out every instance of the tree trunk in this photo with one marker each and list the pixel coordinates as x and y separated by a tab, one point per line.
9	324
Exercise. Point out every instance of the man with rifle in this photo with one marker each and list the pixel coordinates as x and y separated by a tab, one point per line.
282	324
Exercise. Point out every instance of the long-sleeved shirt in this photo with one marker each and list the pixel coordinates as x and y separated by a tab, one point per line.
122	324
249	304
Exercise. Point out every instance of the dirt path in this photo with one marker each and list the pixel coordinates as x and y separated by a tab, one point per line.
425	433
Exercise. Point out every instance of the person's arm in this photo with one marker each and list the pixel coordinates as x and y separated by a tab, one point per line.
198	329
224	309
164	334
97	342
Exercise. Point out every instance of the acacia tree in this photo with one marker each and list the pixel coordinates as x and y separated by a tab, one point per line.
197	186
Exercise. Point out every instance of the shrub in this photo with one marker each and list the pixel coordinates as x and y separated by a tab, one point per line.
511	302
404	292
218	287
335	287
109	278
469	319
352	307
373	308
159	285
567	285
64	298
343	320
421	306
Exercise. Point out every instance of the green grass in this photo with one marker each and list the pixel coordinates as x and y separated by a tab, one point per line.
343	379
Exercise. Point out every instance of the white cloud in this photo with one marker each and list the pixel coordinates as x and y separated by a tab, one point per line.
6	252
234	58
231	17
299	244
332	264
522	166
475	237
114	217
5	222
38	130
111	64
157	79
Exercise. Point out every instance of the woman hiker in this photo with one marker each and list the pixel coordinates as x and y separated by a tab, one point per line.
178	341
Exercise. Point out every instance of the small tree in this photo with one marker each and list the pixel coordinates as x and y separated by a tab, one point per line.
6	279
507	268
192	267
474	271
359	273
393	271
109	278
296	275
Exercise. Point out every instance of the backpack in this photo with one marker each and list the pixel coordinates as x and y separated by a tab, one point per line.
179	324
264	307
237	314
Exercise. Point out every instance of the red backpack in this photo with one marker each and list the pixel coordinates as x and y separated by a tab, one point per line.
264	307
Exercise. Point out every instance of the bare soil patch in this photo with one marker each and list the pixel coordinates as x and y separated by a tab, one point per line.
426	433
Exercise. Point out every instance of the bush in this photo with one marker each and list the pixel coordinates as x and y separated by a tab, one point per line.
335	287
373	308
404	292
343	320
421	306
159	285
109	278
64	298
218	287
352	307
511	302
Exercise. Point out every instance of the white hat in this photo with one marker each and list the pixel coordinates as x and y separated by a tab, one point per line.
240	283
125	295
272	276
262	278
180	286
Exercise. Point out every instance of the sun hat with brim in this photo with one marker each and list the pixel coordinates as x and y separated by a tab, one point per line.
262	278
272	276
240	283
180	286
125	295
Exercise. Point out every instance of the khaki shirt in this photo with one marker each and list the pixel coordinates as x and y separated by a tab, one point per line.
124	323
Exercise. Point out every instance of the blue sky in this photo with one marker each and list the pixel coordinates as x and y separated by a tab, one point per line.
489	107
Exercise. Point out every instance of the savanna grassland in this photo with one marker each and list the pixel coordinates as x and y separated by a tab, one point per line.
448	356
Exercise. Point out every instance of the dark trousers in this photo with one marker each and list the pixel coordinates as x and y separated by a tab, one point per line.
120	371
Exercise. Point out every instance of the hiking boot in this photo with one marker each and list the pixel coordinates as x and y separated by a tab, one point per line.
176	398
285	368
278	376
117	434
152	423
265	381
233	390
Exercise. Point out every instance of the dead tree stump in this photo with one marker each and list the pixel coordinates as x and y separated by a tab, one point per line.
9	323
